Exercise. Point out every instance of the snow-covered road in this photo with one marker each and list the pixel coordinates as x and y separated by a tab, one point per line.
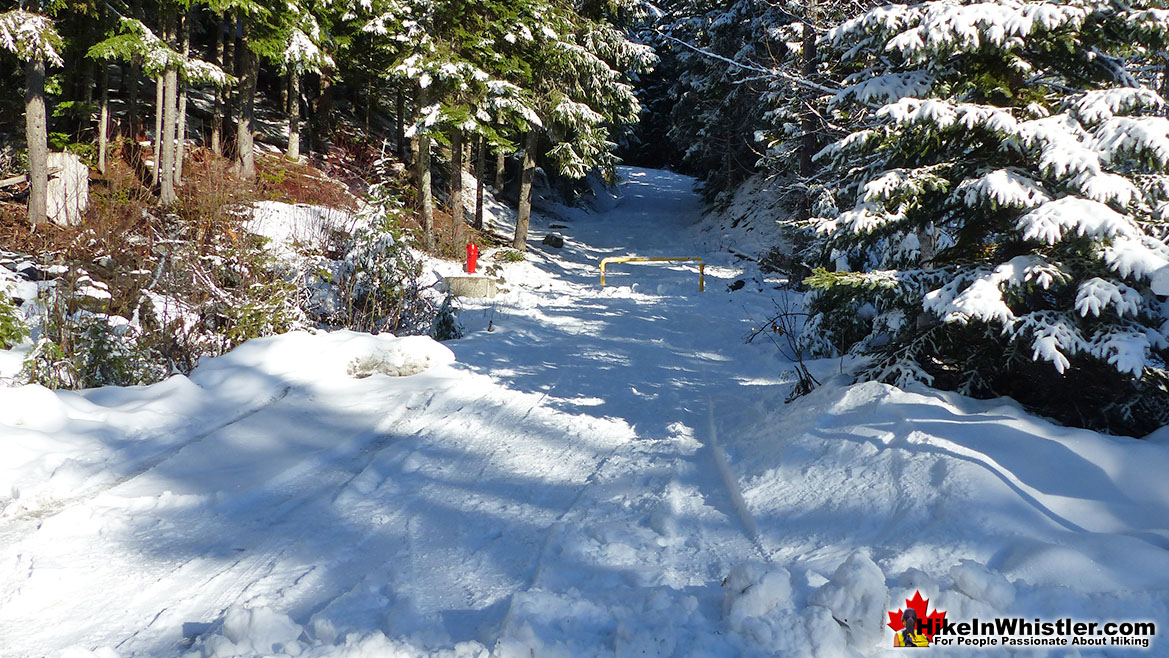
605	472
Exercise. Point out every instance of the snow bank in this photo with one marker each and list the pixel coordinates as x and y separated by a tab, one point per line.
986	510
748	224
59	445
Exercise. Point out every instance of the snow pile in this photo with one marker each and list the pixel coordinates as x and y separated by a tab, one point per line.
262	631
753	591
255	631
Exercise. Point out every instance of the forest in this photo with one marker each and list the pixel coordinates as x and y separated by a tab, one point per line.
973	193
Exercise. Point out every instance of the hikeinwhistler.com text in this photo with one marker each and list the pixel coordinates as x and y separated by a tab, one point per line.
1018	632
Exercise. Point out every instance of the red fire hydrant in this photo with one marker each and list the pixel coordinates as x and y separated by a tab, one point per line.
472	258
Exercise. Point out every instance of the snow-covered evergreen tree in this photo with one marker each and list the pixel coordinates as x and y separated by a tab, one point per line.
294	45
1002	213
722	54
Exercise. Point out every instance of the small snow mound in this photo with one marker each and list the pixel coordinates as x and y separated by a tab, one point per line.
32	407
981	584
856	595
267	364
252	631
753	590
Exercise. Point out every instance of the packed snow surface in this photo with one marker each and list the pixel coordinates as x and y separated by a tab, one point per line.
589	472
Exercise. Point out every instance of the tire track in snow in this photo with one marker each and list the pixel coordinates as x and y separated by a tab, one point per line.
138	469
21	527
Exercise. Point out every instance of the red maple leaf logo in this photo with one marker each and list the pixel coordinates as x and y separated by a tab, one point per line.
930	623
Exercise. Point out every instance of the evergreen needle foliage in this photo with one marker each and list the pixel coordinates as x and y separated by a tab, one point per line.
1002	205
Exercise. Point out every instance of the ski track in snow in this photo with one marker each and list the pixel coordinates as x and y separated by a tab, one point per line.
605	472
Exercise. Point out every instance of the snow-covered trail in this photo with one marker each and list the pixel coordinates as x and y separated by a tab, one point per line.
564	450
604	472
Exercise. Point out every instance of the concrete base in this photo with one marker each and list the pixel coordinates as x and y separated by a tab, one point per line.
471	286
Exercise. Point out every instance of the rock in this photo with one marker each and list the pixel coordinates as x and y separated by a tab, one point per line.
68	191
554	241
737	285
471	286
30	271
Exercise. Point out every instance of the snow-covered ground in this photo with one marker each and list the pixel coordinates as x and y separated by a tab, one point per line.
588	472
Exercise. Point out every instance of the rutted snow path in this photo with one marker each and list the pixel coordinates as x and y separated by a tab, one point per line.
607	472
560	464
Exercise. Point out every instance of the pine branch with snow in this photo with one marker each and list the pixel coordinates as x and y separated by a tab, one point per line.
1023	171
30	36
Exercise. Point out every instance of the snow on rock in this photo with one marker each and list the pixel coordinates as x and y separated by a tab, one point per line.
302	358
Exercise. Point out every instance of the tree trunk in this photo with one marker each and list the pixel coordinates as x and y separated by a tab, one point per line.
87	76
500	169
245	158
400	124
36	133
229	93
294	115
103	119
425	195
457	212
181	131
217	112
166	174
808	124
282	93
368	105
159	112
132	89
524	214
480	165
322	118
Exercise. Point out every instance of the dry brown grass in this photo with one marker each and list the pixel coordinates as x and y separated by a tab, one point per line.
279	179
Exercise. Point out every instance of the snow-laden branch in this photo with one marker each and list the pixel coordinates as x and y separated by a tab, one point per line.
767	72
30	36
